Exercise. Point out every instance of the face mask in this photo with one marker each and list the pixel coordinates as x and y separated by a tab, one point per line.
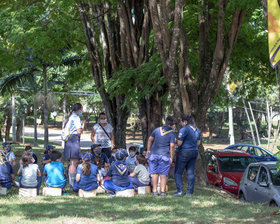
98	151
132	154
31	153
80	114
9	148
113	154
103	121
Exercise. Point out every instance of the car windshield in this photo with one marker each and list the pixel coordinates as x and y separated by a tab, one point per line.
275	176
235	164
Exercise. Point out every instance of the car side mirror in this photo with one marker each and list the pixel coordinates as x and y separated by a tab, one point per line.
263	184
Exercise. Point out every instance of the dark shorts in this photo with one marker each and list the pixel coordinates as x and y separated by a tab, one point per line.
159	164
72	148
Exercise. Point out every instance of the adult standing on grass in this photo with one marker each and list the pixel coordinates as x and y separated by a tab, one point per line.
102	134
188	142
160	151
72	150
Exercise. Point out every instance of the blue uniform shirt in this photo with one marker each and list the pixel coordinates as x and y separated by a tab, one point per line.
119	172
6	170
163	137
46	157
55	173
103	157
88	183
189	137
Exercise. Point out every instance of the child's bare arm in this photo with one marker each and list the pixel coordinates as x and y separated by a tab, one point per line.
132	175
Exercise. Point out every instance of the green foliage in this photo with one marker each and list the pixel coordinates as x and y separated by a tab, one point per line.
137	83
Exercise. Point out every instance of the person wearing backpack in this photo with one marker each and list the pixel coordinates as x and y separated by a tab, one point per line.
102	134
73	128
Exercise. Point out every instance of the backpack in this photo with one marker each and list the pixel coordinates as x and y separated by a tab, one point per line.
66	132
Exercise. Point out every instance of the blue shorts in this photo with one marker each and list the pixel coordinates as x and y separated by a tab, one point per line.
110	186
159	164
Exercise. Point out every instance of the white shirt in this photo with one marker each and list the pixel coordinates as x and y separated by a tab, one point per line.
75	123
100	136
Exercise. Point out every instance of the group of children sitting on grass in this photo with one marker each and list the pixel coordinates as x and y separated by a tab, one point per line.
119	172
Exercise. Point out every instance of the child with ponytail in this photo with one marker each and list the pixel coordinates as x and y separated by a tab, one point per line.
29	173
87	175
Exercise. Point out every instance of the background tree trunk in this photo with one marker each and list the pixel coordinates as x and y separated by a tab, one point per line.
46	111
14	119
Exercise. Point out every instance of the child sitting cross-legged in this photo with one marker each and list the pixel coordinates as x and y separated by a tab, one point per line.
29	173
118	174
54	172
87	175
140	176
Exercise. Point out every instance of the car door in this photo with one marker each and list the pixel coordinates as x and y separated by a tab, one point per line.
250	182
212	170
262	190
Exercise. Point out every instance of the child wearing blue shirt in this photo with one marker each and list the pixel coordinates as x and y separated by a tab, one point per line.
118	174
7	176
9	154
47	153
54	172
131	159
87	175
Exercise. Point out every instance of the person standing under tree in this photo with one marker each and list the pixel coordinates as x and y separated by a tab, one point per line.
72	150
188	142
160	151
102	133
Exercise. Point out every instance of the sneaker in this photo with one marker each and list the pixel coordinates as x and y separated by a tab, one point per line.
177	194
112	194
155	194
163	194
188	194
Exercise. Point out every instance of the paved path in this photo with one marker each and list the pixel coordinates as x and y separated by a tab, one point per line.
54	136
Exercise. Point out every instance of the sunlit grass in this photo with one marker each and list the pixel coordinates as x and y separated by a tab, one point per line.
207	205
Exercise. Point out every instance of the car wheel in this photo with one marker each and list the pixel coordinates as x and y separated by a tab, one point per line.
273	204
242	197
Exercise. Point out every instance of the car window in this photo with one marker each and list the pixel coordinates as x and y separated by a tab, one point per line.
252	173
263	177
243	148
255	151
213	162
275	176
265	154
234	164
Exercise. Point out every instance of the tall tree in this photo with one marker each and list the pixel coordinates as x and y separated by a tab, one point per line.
217	25
117	37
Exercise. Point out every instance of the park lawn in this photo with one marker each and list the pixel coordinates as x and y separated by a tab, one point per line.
207	205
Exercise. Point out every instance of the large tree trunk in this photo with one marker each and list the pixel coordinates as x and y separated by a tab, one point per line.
115	42
19	130
150	114
198	89
46	111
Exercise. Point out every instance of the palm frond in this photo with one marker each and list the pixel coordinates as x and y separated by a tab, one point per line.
10	83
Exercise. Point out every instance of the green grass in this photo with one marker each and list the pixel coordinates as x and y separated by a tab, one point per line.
207	205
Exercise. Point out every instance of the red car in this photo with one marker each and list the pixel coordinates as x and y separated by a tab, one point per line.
225	168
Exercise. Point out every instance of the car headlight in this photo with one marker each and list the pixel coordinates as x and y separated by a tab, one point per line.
229	181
